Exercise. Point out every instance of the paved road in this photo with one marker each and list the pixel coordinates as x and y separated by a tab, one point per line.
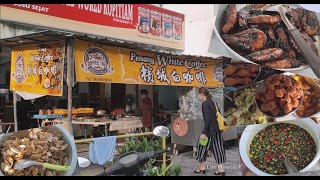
232	166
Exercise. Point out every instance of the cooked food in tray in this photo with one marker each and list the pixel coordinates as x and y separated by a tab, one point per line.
261	37
311	104
240	74
279	95
271	146
243	111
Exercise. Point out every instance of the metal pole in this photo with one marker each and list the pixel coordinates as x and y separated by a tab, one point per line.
15	111
164	156
117	137
70	59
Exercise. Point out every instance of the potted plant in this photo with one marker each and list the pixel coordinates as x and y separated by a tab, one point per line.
158	161
171	170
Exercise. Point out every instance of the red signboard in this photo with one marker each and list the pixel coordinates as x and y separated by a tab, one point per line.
133	22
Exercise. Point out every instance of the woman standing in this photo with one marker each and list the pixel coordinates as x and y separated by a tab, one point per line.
146	110
210	130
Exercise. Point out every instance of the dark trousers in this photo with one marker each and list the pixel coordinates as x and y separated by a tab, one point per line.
215	145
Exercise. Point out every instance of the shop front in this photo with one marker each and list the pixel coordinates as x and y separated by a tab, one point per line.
141	24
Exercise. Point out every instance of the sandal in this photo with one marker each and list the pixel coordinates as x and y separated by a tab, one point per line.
197	171
219	173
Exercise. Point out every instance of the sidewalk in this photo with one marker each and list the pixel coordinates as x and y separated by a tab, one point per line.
187	162
232	166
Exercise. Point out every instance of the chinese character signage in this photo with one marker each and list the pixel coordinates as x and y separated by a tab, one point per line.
101	63
142	23
38	69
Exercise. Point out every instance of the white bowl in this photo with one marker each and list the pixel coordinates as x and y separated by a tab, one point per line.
218	24
308	124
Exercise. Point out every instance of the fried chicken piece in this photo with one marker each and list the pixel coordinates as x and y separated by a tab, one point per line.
253	68
275	82
271	34
264	19
295	16
283	64
270	95
271	105
230	19
243	15
301	111
270	87
287	98
284	43
266	55
287	108
249	40
295	102
275	111
243	73
229	81
230	70
287	82
282	103
316	94
263	89
298	94
279	92
291	90
310	112
278	77
311	25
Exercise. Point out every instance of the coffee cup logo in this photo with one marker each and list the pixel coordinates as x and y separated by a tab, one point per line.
96	62
19	75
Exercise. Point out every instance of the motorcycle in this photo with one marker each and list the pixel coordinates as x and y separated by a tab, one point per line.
130	163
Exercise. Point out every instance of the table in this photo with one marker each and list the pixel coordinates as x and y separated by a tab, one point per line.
94	124
45	117
5	124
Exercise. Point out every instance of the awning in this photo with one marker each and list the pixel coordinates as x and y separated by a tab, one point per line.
55	35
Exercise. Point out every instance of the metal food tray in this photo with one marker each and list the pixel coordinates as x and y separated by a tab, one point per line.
220	18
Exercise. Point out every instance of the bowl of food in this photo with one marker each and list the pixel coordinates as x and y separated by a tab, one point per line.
311	99
263	148
241	74
251	34
240	109
52	144
279	95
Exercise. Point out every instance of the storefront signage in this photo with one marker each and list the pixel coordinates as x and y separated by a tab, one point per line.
38	69
140	23
101	63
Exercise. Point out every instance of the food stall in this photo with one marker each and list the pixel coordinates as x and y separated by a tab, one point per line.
169	38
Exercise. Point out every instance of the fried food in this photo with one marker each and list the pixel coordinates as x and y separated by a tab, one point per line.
229	81
262	37
283	64
311	103
264	19
230	70
243	73
231	19
266	55
240	74
250	40
281	95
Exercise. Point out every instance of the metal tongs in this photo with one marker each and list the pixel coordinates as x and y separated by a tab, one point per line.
308	54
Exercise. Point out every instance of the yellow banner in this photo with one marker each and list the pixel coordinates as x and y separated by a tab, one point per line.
38	69
101	63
